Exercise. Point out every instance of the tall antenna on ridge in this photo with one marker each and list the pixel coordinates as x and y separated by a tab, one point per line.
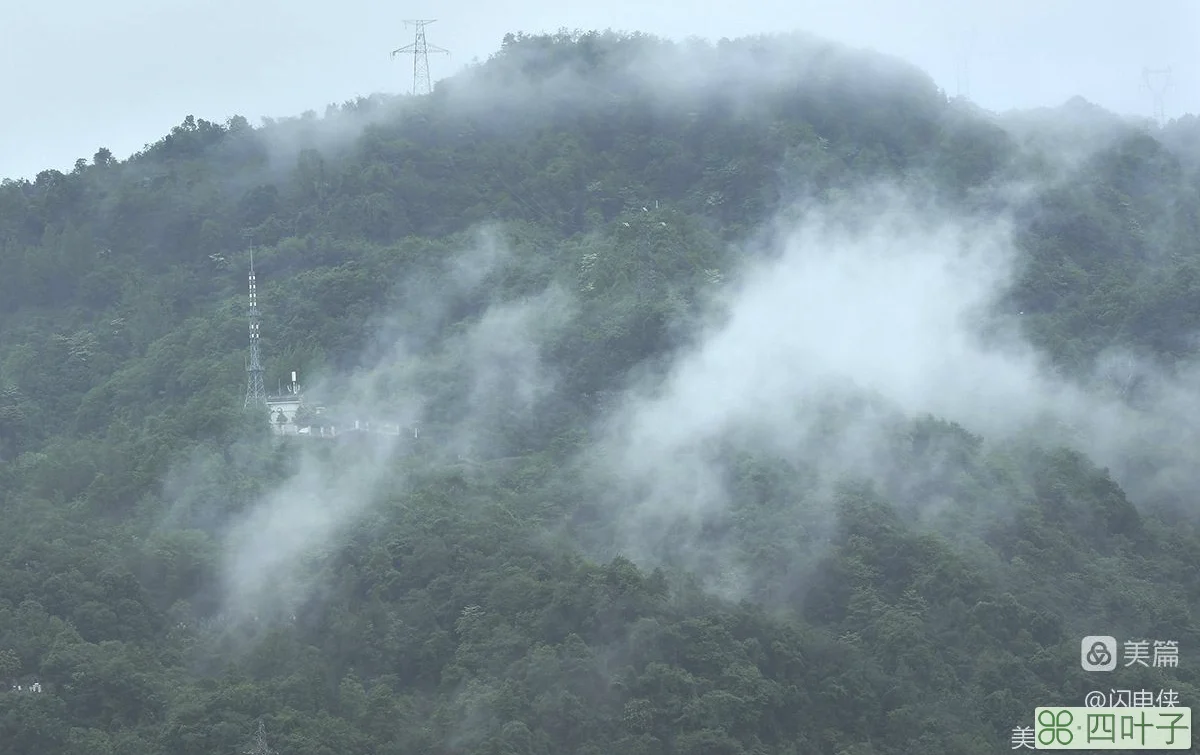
420	50
256	393
1158	81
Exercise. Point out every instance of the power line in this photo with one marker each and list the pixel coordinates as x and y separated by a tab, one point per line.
420	50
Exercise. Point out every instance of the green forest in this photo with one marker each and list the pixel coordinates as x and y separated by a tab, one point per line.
605	527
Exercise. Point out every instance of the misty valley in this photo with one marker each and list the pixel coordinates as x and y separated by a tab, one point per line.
617	396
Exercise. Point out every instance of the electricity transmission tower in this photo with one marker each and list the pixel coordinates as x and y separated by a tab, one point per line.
256	392
260	742
1157	81
420	50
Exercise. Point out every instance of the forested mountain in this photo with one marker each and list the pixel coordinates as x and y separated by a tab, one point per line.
756	398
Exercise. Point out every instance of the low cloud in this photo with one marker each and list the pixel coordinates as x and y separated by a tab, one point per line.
491	368
865	312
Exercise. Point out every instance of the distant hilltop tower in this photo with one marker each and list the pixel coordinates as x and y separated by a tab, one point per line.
420	50
1157	81
256	392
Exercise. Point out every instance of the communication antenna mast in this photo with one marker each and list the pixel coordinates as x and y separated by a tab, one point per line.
1157	81
256	393
420	50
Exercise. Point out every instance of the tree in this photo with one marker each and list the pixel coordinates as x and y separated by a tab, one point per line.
458	605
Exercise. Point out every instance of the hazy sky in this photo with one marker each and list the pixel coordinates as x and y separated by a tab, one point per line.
119	74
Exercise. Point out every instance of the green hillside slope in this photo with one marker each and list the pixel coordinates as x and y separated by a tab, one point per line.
637	505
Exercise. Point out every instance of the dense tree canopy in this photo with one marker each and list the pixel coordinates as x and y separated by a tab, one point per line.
481	606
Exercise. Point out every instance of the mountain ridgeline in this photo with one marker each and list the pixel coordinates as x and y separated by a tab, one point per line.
758	398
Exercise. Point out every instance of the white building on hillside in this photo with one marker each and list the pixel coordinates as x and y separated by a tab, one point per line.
283	409
287	418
